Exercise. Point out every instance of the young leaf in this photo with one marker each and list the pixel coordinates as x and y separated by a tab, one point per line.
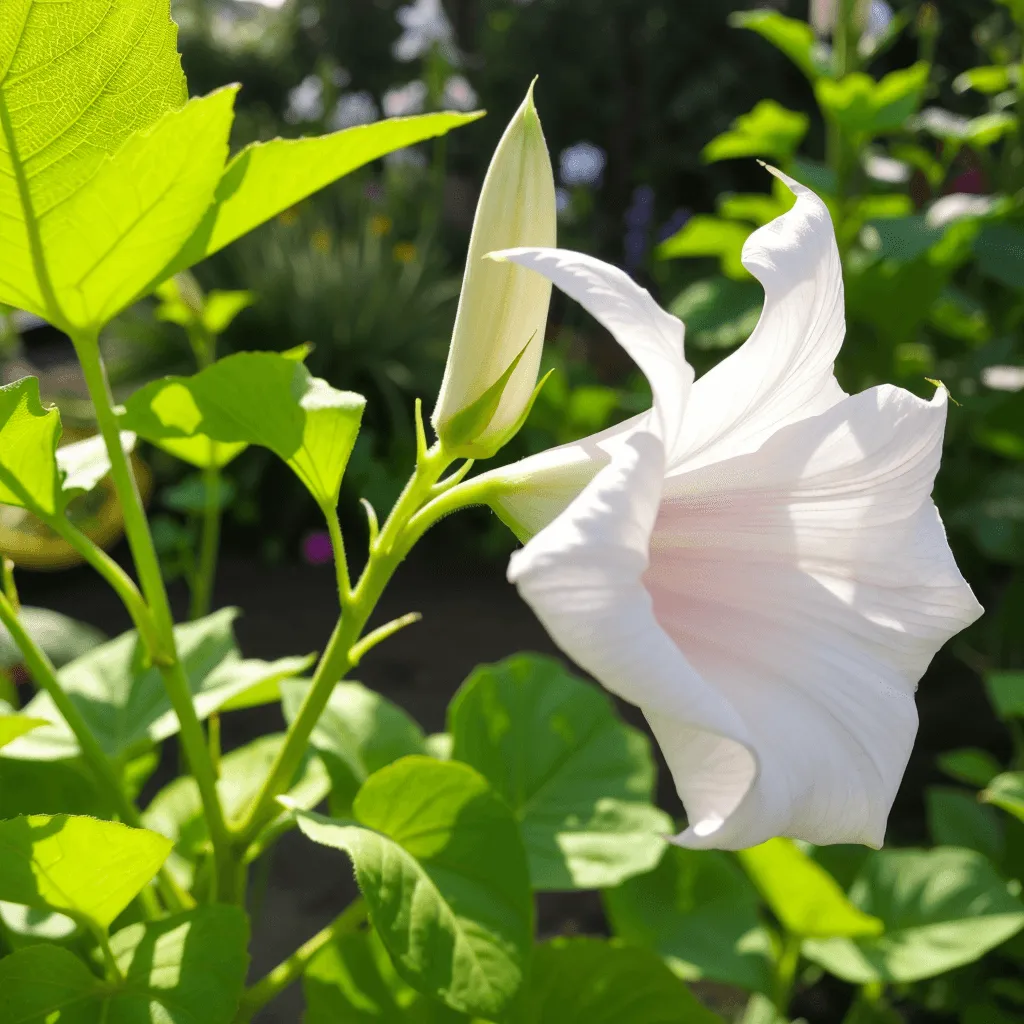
28	443
358	734
793	37
942	908
579	781
81	866
440	864
866	108
972	765
709	236
769	130
1007	791
267	178
699	911
591	981
73	90
803	896
262	398
104	243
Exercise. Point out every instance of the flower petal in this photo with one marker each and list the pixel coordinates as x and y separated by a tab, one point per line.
783	372
652	337
811	583
582	576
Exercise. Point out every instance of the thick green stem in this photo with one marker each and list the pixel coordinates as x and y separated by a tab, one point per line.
288	972
209	542
147	565
785	974
386	554
107	776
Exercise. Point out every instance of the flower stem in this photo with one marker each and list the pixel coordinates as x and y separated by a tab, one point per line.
102	767
147	565
785	974
386	554
288	972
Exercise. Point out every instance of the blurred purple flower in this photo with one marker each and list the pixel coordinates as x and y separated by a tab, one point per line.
675	223
639	216
317	548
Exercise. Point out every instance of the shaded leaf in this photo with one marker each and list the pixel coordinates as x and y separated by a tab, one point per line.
1007	791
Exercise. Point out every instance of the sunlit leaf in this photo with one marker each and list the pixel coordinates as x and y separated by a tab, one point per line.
795	38
866	108
583	796
942	909
28	443
709	236
262	398
1007	791
13	726
804	896
769	130
82	866
84	464
441	866
700	912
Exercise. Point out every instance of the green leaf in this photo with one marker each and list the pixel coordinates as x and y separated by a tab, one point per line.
123	698
358	733
49	787
805	898
83	867
971	765
699	911
591	981
28	445
13	726
222	308
262	398
955	818
942	909
440	864
104	243
83	464
1007	791
865	108
177	810
793	37
579	781
267	178
761	1010
719	312
988	80
1006	692
188	969
353	980
61	637
25	926
753	207
709	236
73	91
769	130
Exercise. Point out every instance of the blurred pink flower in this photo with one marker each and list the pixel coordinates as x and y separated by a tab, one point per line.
317	548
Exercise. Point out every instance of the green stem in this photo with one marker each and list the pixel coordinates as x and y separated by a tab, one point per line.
147	565
107	776
288	972
338	550
785	974
113	972
386	554
209	542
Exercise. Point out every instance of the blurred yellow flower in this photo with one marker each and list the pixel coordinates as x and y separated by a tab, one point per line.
289	216
404	252
321	240
380	225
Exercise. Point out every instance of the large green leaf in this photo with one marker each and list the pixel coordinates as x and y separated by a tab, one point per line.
61	637
1007	791
710	236
13	726
942	908
591	981
83	867
268	177
49	787
956	818
769	130
177	810
358	733
441	866
700	912
28	443
1006	689
353	980
802	894
795	38
187	969
104	243
579	781
262	398
865	108
123	698
77	81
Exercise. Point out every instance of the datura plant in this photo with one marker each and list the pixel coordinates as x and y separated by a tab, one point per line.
755	562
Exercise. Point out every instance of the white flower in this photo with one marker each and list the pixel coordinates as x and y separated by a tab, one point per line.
873	16
305	101
756	561
582	164
958	206
887	169
353	108
406	99
424	25
1003	378
459	94
494	357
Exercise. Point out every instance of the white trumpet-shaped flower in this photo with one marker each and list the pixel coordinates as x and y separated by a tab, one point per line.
755	562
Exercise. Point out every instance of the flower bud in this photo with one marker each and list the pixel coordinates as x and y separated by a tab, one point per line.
499	328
